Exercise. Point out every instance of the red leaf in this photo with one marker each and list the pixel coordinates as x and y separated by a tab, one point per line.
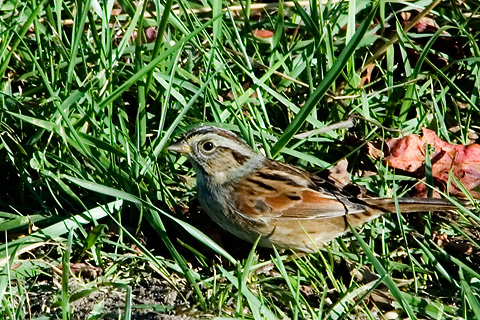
263	33
462	161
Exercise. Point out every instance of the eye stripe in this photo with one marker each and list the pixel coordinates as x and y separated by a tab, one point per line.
239	157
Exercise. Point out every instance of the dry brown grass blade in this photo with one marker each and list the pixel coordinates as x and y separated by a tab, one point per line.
254	6
394	38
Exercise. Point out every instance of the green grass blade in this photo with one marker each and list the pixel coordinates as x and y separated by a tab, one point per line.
386	276
323	87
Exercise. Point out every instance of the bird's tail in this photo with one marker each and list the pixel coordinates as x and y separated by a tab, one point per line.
413	204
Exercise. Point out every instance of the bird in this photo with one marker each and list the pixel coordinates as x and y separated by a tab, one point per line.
254	197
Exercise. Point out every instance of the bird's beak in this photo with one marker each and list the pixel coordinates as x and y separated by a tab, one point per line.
180	147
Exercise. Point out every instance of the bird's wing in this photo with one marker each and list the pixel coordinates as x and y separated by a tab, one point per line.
280	191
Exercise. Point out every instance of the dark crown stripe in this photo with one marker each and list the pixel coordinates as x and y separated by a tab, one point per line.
209	129
200	131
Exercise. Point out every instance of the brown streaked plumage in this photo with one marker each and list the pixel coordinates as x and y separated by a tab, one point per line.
250	195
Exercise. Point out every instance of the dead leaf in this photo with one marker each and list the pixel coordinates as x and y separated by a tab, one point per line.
150	34
374	152
339	173
367	75
425	24
83	269
461	161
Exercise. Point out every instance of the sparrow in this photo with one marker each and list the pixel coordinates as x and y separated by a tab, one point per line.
252	196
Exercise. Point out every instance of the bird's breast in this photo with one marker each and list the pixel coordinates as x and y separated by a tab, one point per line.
220	205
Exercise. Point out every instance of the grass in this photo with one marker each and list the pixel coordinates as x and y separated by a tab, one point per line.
89	103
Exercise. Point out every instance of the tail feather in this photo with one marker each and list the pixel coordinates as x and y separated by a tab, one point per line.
412	204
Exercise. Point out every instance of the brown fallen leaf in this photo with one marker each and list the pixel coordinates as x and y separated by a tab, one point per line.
150	34
461	161
455	245
339	174
83	269
367	75
425	24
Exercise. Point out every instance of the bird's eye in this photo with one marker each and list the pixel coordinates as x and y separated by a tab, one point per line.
208	146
